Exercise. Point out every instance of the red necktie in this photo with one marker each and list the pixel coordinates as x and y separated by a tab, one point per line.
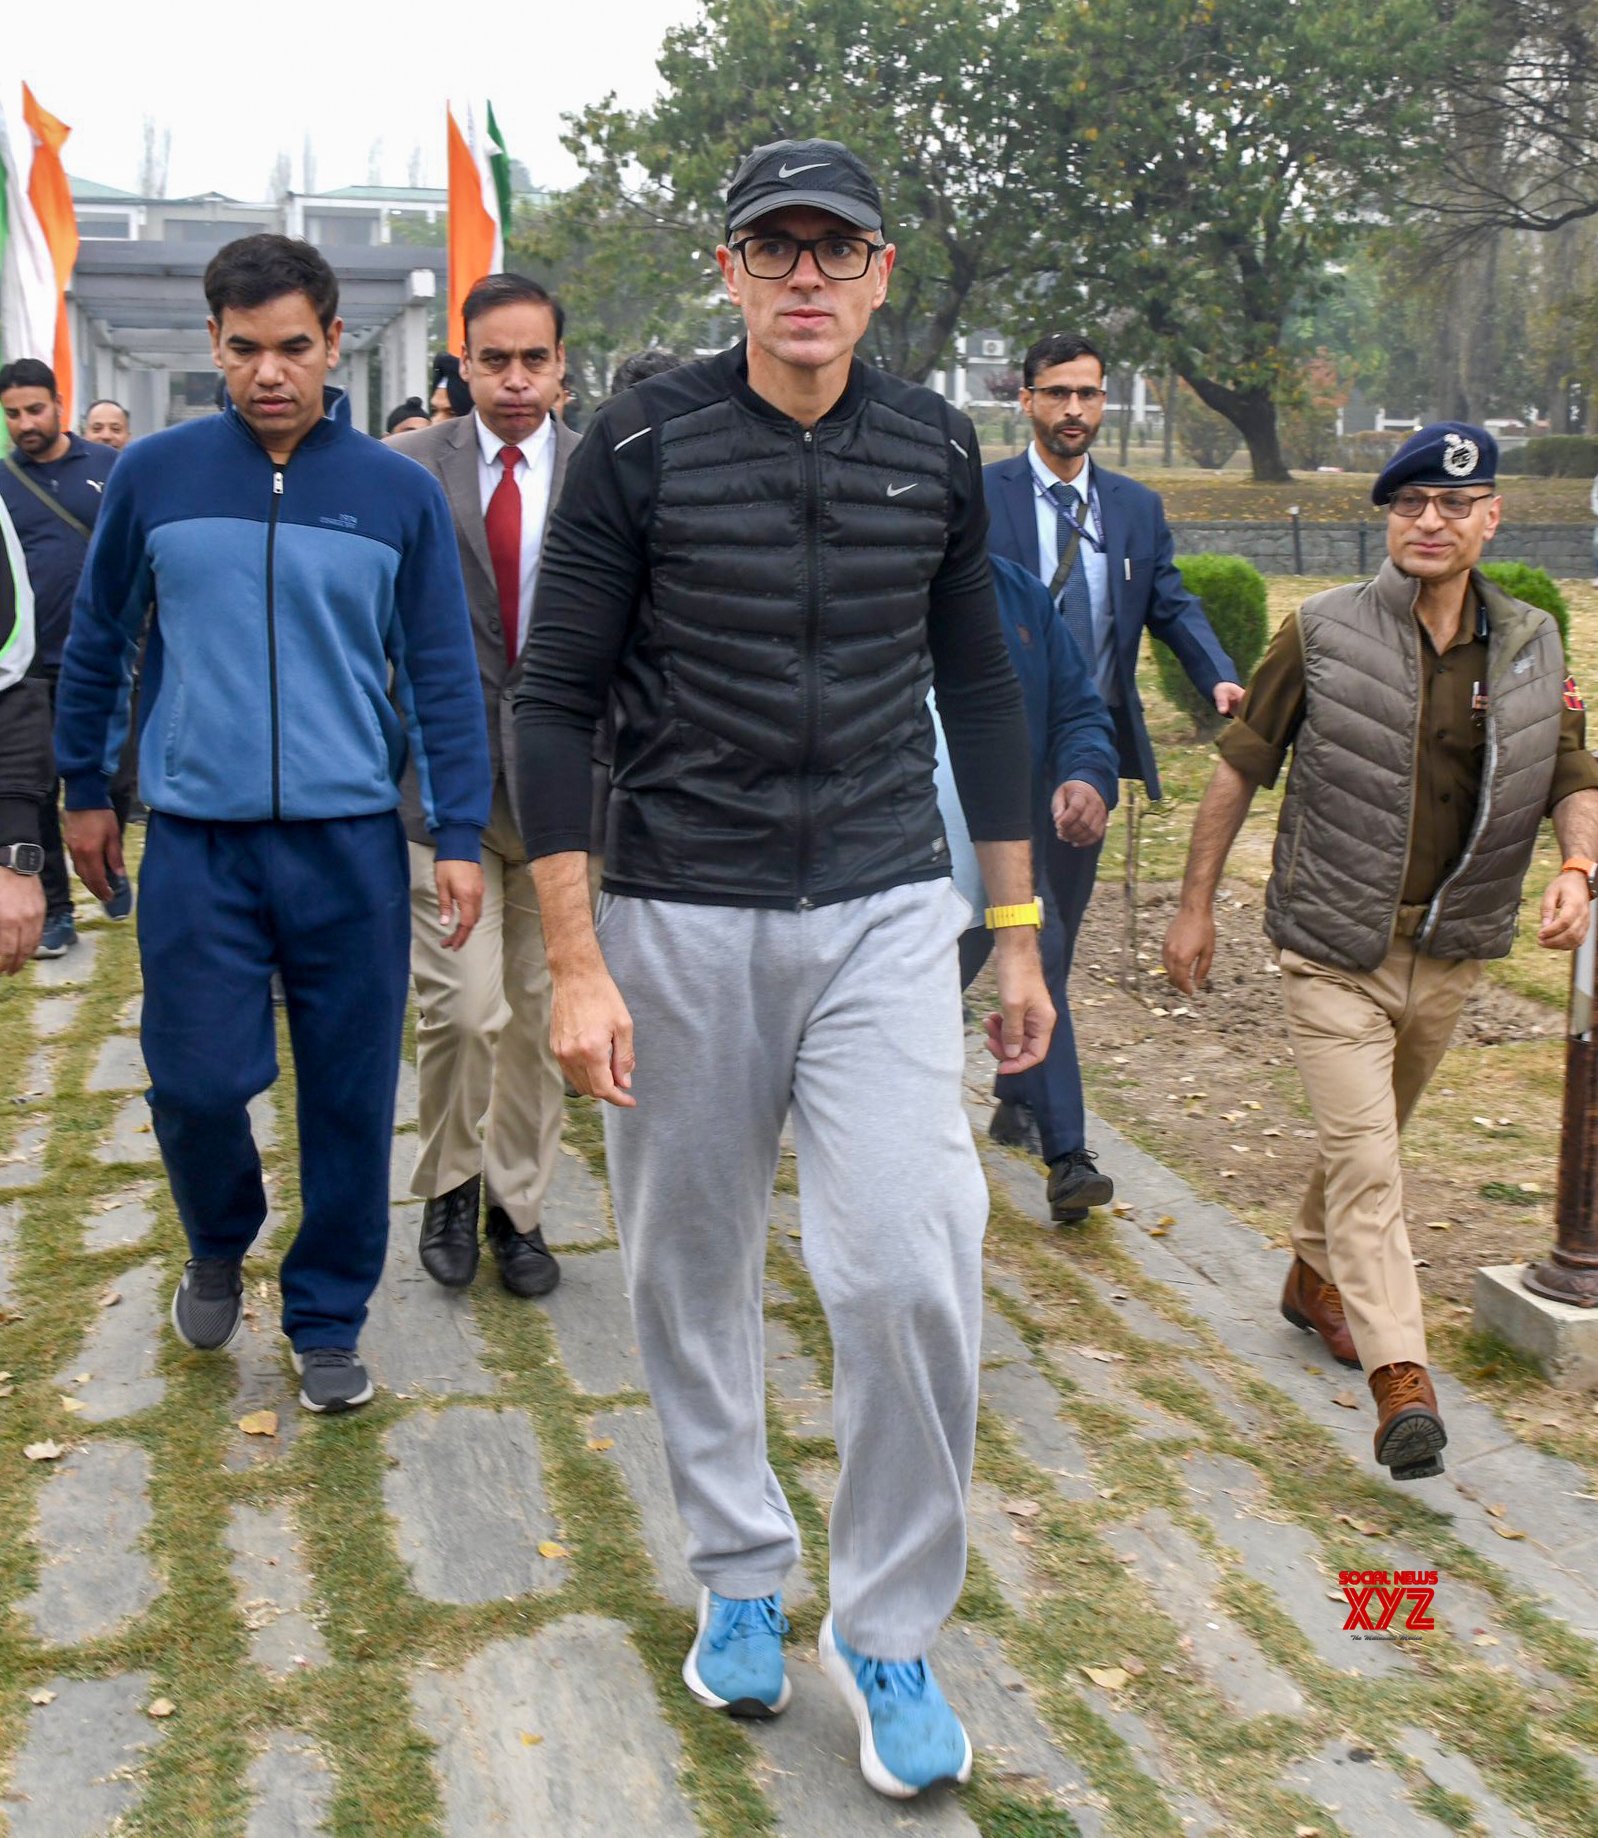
503	521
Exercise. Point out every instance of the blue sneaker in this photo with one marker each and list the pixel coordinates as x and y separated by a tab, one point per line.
735	1663
909	1737
60	934
121	902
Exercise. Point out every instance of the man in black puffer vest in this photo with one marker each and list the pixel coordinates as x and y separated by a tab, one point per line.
1432	727
763	563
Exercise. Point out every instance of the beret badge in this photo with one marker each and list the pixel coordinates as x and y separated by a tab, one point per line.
1459	456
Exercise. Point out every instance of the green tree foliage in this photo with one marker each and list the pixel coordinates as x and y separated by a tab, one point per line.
935	96
626	271
1235	148
1209	440
1536	586
1232	593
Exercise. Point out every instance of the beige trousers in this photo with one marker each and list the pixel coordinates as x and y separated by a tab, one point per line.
490	1089
1366	1043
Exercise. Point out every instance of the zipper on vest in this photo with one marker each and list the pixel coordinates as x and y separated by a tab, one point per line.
271	642
809	665
1414	780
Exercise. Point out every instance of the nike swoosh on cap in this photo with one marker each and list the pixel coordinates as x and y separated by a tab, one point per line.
789	172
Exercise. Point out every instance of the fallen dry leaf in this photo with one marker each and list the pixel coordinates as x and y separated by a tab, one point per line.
162	1707
1346	1399
1108	1678
72	1404
1098	1353
599	1444
1364	1527
529	1740
110	1298
259	1423
1022	1509
1121	1210
1484	1640
549	1548
1439	1225
1135	1666
44	1451
41	1696
1496	1511
1506	1531
1166	1219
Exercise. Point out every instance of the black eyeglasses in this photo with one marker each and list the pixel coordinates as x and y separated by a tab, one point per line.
1061	397
1410	501
774	258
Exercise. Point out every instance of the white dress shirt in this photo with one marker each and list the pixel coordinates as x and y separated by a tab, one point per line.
1095	563
535	473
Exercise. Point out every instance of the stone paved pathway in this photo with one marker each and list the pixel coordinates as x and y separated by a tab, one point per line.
461	1612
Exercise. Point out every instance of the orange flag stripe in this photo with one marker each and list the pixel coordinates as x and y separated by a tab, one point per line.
471	230
50	194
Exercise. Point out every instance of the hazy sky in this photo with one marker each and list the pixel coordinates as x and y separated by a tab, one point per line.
238	84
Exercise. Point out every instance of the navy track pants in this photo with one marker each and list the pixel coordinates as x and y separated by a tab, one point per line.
221	905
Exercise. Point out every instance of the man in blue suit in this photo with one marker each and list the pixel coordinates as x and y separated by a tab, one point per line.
1100	542
1074	781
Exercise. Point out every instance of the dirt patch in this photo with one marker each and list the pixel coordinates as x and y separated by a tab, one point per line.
1209	1085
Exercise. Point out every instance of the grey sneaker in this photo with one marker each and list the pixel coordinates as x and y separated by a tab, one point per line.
208	1304
334	1379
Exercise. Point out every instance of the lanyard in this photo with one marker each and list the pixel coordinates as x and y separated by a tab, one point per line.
1069	511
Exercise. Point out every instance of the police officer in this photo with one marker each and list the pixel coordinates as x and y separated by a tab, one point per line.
1432	725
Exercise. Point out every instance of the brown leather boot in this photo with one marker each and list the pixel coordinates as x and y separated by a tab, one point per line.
1310	1302
1410	1437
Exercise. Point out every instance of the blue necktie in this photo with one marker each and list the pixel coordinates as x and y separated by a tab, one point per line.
1076	603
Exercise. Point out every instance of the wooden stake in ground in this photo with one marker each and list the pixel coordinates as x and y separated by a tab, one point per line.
1570	1274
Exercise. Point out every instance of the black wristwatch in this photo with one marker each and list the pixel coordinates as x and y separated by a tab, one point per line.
21	857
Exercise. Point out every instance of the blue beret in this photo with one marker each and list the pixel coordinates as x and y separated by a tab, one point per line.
1446	453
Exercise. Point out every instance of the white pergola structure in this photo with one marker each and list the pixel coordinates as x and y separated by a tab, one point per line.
139	320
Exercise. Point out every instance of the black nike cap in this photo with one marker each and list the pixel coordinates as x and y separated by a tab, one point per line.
823	174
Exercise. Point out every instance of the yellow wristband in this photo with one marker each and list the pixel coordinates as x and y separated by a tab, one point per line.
1028	913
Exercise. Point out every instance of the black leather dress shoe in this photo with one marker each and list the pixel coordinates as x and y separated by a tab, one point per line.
448	1245
527	1266
1075	1185
1015	1127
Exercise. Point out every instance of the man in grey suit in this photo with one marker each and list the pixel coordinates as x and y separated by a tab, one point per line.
490	1088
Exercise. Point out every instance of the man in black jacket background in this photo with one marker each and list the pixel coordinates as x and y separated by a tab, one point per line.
764	562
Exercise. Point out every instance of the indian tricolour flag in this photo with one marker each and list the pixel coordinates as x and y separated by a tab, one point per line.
479	209
38	241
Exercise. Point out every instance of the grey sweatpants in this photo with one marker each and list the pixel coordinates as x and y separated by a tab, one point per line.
850	1014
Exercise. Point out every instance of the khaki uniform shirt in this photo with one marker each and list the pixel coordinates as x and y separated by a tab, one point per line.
1453	741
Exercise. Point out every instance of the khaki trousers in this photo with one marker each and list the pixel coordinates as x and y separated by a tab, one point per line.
490	1092
1366	1043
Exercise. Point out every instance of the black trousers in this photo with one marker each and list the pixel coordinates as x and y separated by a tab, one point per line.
56	875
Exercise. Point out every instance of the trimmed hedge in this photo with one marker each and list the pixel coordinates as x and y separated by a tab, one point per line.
1232	593
1554	456
1536	586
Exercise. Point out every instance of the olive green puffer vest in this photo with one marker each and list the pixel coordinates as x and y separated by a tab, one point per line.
1344	836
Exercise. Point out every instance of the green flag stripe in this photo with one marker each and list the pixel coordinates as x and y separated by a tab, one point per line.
499	166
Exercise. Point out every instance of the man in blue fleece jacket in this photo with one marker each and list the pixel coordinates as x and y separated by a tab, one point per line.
309	622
